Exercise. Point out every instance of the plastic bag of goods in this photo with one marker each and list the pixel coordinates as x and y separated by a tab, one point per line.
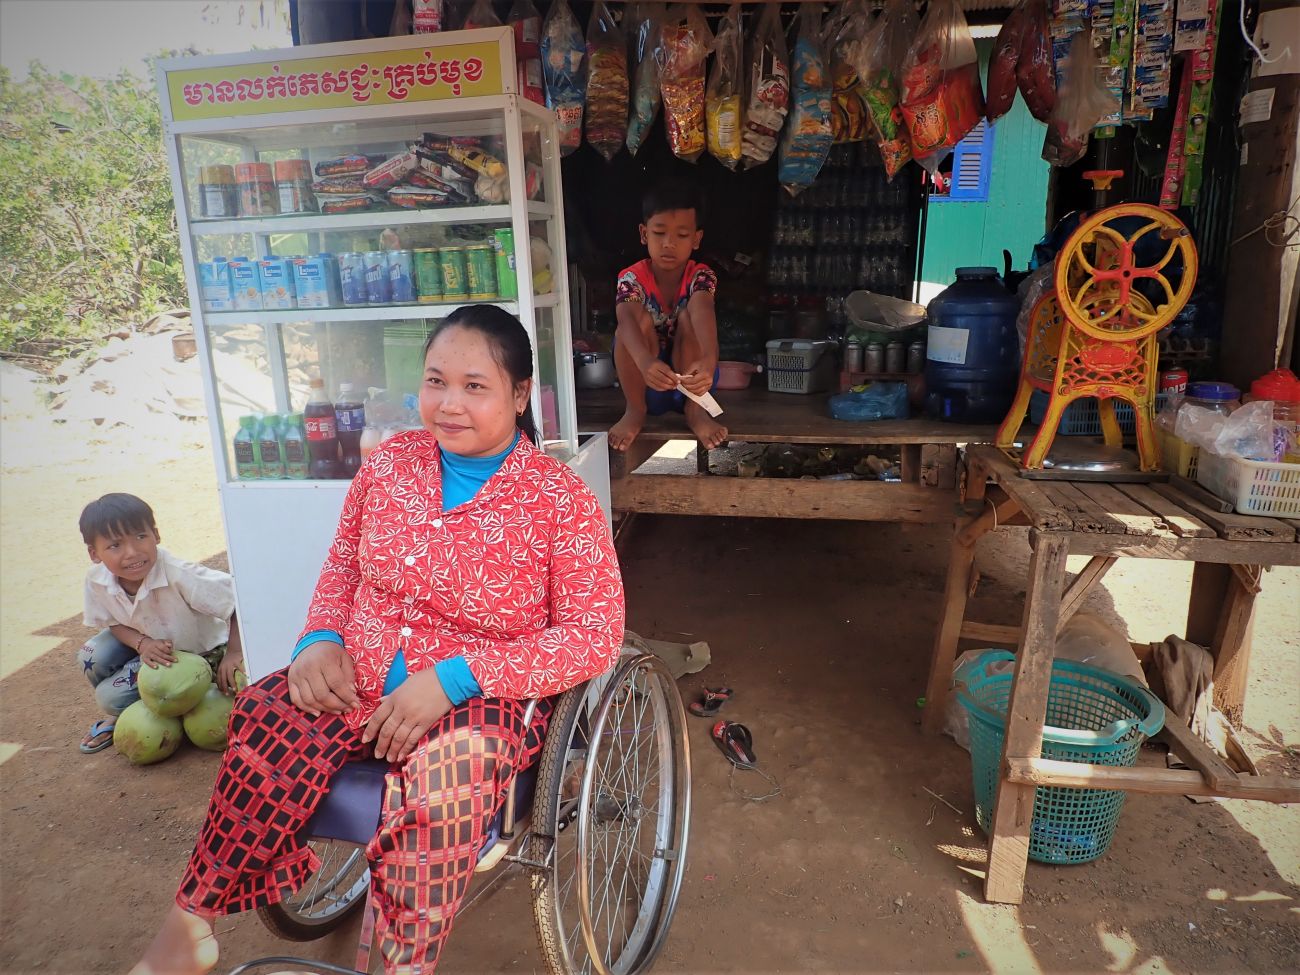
527	24
564	67
1082	101
480	15
807	137
879	58
427	16
685	45
843	33
1000	88
769	89
722	100
870	401
1035	71
647	19
941	96
606	83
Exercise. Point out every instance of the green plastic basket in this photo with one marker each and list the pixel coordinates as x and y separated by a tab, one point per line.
1093	716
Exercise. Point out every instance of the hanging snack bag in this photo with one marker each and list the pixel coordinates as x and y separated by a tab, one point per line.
808	135
769	89
527	24
1035	71
647	19
879	57
1000	89
481	15
722	101
685	45
606	83
426	16
1082	102
564	66
843	33
941	96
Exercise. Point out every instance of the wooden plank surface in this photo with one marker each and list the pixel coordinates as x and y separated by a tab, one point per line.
1040	510
1086	514
1242	528
1185	549
991	632
1031	772
758	416
1136	519
1204	495
761	497
1195	752
1176	518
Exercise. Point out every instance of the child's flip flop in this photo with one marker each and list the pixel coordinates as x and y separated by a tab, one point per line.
89	745
711	703
736	743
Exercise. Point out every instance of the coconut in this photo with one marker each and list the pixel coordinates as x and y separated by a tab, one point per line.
145	737
173	690
206	724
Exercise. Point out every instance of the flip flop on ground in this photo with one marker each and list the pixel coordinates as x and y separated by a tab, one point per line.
736	743
99	737
712	701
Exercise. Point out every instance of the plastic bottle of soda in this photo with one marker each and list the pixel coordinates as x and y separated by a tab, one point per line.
322	435
270	447
350	419
245	443
297	462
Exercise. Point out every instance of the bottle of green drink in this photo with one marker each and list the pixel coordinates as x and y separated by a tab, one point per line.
247	467
294	446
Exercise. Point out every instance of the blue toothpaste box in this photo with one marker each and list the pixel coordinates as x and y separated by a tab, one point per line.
275	276
245	284
214	285
316	281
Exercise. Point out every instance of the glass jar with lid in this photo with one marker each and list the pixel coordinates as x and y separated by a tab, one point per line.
1221	398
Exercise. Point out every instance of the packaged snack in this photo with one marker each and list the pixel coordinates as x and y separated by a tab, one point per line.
1034	71
686	42
359	203
879	59
769	90
391	172
1081	103
564	66
841	35
527	23
354	163
481	15
808	136
648	20
477	161
722	100
1000	89
941	96
426	16
350	185
606	83
416	197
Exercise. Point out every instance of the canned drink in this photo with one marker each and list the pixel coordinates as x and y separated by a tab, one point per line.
455	284
503	246
916	357
481	267
401	278
352	278
428	275
378	289
1173	382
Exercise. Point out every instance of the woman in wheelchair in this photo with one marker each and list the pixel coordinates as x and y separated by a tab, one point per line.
470	572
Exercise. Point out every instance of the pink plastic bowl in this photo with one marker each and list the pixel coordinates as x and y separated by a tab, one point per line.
735	375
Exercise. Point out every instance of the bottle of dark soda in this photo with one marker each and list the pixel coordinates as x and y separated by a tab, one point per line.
322	436
350	419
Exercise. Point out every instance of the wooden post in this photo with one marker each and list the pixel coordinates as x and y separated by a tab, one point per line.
910	463
1013	809
1221	617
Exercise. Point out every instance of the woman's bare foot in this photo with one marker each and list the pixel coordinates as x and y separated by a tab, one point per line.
622	433
185	945
709	431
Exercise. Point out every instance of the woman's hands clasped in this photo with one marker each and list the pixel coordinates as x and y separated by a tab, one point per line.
321	680
406	715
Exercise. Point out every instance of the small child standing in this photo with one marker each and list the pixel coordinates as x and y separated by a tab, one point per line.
667	332
151	604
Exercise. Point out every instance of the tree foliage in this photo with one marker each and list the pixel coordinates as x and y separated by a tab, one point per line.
88	236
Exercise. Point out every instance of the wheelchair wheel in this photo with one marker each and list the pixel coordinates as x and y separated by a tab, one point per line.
327	900
611	822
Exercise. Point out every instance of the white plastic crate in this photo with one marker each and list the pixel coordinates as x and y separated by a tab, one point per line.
1254	487
801	365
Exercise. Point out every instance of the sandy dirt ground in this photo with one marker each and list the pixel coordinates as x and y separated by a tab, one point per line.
824	630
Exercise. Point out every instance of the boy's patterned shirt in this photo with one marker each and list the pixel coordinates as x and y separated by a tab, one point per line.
522	579
637	284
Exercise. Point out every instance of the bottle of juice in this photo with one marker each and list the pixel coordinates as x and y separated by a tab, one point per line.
350	420
270	447
245	443
322	434
297	461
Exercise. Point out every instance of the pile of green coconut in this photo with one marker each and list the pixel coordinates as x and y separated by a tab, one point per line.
177	702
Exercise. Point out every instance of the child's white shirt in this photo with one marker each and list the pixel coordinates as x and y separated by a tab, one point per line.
181	601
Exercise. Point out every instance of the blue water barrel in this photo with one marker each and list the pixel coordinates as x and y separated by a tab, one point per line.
972	352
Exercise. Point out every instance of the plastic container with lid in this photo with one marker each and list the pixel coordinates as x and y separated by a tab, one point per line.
1220	397
257	193
217	197
972	349
1282	387
293	186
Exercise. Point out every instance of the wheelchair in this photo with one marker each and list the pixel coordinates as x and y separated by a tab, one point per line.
600	823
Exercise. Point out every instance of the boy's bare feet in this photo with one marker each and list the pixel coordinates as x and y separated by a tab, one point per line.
622	433
709	431
185	945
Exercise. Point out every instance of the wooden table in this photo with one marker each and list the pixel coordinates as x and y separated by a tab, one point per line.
928	449
1106	522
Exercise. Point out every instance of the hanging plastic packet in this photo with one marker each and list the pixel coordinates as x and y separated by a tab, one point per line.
722	101
1082	101
808	135
527	24
686	42
480	15
564	65
879	58
606	83
1035	71
1000	88
842	34
769	89
941	96
426	16
647	19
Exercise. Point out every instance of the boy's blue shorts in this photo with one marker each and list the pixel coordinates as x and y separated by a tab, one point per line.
661	401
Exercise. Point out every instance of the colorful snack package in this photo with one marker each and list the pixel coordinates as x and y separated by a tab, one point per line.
391	171
343	165
564	66
1035	72
606	83
527	23
481	15
1082	102
941	97
426	16
686	42
648	20
808	134
879	58
722	100
769	89
1000	88
841	36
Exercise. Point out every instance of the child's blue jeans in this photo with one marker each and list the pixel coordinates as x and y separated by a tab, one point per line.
111	667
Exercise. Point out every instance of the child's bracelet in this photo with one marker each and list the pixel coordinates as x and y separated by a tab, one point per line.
139	643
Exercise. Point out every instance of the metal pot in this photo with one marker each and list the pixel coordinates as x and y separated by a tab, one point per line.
594	370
